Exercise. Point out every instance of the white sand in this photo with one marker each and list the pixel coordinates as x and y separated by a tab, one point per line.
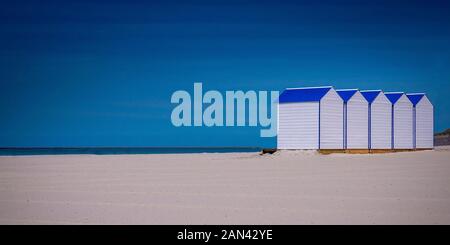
238	188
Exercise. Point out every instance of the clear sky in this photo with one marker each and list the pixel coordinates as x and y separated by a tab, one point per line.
86	73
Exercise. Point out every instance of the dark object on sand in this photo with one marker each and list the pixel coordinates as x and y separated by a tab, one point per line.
269	150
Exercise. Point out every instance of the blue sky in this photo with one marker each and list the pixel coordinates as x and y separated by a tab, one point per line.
86	73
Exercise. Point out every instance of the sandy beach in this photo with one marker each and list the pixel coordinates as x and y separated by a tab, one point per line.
227	188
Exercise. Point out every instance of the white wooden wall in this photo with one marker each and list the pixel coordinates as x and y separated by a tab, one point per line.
331	121
424	124
403	123
298	125
357	122
381	119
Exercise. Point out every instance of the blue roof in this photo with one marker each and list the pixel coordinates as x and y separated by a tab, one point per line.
303	94
370	95
394	96
346	94
415	98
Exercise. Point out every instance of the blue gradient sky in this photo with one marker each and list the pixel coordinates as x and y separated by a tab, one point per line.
85	73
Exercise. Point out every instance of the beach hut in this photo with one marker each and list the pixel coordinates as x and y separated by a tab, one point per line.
423	121
402	120
379	115
310	118
356	120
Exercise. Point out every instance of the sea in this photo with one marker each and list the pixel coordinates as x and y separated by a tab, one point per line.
14	151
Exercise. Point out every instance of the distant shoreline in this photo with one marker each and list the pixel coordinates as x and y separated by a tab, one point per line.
25	151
